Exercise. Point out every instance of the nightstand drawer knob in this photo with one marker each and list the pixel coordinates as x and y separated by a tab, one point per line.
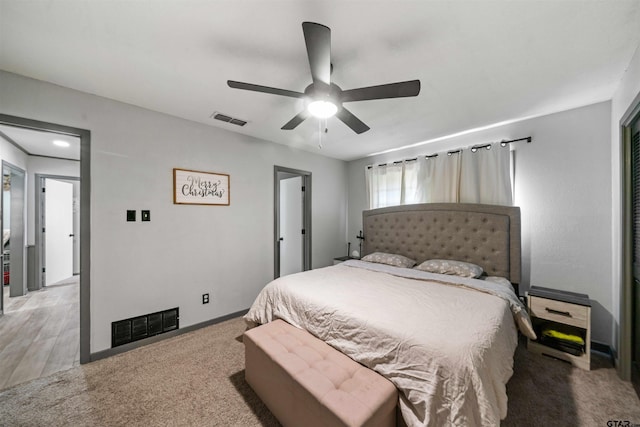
561	313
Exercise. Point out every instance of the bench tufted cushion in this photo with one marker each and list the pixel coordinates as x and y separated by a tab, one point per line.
304	381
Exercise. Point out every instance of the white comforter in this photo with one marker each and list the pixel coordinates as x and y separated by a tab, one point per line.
448	349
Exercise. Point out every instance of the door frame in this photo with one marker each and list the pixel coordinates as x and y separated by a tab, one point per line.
625	348
85	218
19	238
279	173
41	259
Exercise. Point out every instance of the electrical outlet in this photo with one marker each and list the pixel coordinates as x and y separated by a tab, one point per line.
205	298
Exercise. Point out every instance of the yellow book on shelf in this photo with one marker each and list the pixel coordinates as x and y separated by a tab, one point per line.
562	336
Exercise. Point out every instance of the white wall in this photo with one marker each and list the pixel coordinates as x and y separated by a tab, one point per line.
628	90
184	251
563	186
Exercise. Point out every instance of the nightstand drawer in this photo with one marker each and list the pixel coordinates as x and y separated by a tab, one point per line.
559	311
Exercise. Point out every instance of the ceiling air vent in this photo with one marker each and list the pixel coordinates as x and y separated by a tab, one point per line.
228	119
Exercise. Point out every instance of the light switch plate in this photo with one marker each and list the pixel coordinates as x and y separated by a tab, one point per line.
145	215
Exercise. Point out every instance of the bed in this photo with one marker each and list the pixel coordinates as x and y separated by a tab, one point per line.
445	341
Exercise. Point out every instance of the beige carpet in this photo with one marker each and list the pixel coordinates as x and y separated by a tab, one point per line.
197	379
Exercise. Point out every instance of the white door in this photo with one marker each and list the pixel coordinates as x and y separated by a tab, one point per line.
58	233
291	226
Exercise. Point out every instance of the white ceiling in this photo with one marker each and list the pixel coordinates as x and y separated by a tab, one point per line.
480	62
40	143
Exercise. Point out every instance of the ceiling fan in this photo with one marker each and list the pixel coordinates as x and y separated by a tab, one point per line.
323	98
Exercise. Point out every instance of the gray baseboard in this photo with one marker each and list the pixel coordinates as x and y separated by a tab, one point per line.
130	346
604	349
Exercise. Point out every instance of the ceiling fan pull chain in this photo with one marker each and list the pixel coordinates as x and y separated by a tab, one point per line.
320	134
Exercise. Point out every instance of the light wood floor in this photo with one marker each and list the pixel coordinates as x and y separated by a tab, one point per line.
40	333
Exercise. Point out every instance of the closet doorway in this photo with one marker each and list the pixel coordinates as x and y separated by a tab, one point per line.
292	221
629	352
635	322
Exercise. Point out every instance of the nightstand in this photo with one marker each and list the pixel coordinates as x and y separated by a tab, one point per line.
567	312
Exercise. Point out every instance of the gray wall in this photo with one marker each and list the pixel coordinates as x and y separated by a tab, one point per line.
11	154
184	251
563	186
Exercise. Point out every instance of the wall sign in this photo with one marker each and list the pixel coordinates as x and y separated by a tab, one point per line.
200	188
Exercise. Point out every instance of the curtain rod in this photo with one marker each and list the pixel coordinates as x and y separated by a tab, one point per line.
502	143
473	150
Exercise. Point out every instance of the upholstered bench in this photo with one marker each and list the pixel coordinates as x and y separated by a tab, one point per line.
306	382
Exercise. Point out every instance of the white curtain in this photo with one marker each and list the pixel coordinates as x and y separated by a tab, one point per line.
463	176
384	185
442	178
485	176
412	187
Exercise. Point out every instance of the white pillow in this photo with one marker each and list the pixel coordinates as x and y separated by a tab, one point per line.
452	267
390	259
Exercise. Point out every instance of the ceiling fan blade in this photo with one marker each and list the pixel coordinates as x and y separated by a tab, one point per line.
317	37
265	89
299	118
352	121
390	90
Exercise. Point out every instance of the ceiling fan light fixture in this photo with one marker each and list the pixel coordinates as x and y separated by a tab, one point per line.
322	109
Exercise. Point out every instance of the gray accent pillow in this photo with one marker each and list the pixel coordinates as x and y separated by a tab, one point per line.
452	267
390	259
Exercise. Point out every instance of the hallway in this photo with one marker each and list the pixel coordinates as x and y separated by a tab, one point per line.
40	332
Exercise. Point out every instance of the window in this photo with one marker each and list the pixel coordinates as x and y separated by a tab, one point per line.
483	176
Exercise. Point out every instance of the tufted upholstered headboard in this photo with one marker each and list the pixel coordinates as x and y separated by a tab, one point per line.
486	235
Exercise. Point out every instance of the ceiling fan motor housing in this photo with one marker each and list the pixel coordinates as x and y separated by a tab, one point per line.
319	91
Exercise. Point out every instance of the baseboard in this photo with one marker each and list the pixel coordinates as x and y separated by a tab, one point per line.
604	349
635	377
130	346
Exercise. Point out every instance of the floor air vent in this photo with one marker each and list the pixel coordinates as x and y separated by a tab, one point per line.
148	325
228	119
